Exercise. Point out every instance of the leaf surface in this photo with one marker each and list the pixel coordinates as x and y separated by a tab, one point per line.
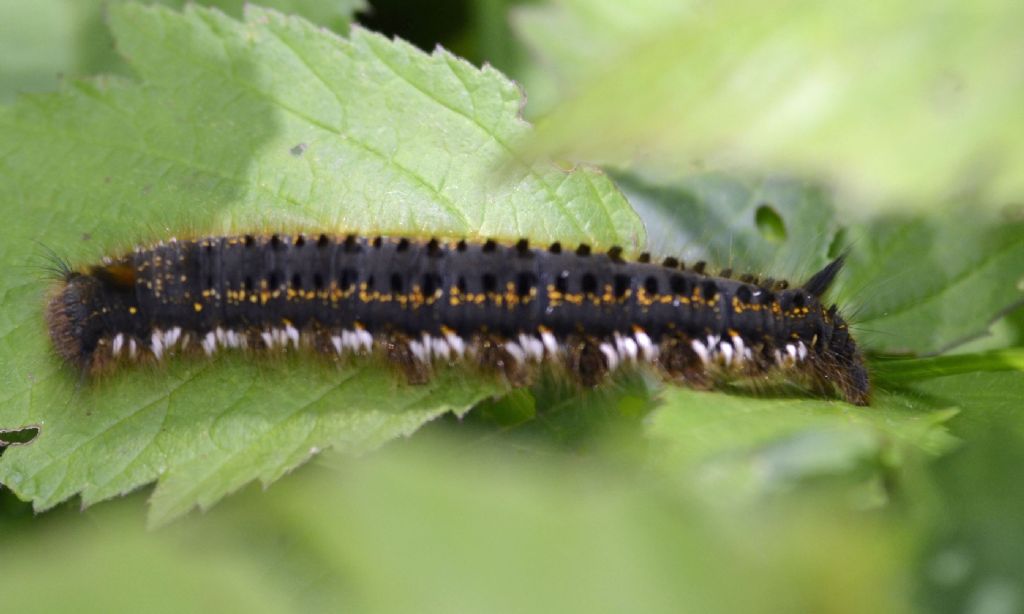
266	123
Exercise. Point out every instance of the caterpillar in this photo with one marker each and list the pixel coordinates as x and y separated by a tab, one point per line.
508	308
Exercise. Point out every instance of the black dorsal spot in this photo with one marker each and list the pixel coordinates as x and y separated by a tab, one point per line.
275	242
743	294
209	282
589	283
615	254
247	284
489	282
300	240
583	250
431	282
679	285
249	240
461	284
799	300
651	285
490	246
351	244
523	248
323	241
397	285
348	279
622	284
371	283
403	245
709	289
434	248
296	282
562	282
726	273
318	281
644	258
378	242
670	262
273	280
525	283
461	246
555	248
699	267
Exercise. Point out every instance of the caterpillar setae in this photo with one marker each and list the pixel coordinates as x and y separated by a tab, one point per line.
507	308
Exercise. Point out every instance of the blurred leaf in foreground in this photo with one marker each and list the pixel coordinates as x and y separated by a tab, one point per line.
420	528
573	39
740	447
911	101
975	561
267	123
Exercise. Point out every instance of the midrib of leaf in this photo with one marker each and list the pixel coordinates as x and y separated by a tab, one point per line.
914	369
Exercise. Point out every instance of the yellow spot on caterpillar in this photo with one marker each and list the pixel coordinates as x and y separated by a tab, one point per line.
198	307
133	310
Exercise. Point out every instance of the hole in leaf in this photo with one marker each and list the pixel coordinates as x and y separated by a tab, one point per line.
770	224
838	243
18	437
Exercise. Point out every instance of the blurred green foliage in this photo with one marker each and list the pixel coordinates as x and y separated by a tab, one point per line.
907	102
631	497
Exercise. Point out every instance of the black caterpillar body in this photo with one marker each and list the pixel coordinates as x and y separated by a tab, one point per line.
508	308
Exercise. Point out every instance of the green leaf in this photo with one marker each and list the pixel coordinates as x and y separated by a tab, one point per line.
913	101
987	400
267	123
575	39
925	284
900	370
974	560
44	41
744	446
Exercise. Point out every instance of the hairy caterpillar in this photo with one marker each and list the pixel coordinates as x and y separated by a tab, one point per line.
507	308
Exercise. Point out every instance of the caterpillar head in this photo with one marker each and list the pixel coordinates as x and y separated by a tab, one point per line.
845	363
74	318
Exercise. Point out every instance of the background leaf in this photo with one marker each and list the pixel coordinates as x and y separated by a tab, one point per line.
266	123
925	284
